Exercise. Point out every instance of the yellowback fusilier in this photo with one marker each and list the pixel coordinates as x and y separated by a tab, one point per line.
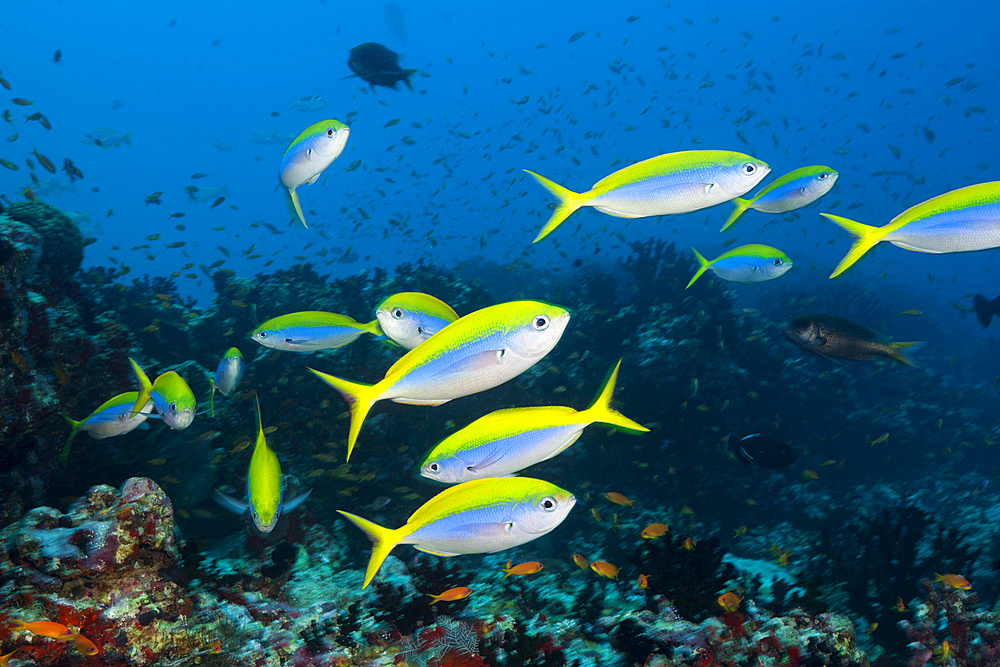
477	352
664	185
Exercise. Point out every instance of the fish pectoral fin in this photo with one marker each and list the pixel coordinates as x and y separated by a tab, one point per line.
313	179
433	552
228	502
295	502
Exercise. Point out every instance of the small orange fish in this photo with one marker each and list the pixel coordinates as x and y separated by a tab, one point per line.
580	561
520	569
451	595
810	474
783	558
730	601
655	530
690	544
215	647
642	583
953	580
29	194
618	499
899	606
84	645
48	629
605	569
740	532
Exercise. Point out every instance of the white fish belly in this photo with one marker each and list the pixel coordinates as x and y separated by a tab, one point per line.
465	375
659	196
957	231
473	532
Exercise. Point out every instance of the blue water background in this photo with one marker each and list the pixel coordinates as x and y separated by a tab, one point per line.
832	67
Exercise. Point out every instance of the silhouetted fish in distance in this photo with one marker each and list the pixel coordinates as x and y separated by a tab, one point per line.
765	451
379	66
985	310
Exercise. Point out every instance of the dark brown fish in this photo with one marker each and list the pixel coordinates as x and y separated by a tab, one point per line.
218	201
379	66
57	56
4	83
45	162
20	101
834	337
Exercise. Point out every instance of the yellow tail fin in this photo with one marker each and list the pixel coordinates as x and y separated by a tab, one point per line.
894	352
383	541
601	411
76	427
211	399
360	400
294	197
373	328
866	237
569	201
703	265
739	205
145	386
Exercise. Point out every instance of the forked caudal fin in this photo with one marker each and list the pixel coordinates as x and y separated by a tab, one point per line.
601	411
359	399
383	541
145	387
894	352
569	201
866	236
703	265
739	206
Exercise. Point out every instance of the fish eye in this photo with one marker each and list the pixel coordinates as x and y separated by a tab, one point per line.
540	323
777	262
823	176
397	313
329	132
433	466
173	407
262	334
749	168
548	504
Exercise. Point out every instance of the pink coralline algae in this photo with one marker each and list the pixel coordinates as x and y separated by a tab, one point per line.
97	567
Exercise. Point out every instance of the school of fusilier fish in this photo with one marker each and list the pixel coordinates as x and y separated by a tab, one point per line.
448	356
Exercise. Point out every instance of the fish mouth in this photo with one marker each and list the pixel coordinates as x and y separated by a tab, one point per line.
182	421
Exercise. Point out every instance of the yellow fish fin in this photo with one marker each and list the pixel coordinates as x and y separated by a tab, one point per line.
703	265
601	411
569	201
866	236
373	328
893	350
739	206
383	541
76	427
360	399
145	386
295	206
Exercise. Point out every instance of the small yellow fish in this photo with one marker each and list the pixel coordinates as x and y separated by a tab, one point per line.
618	499
642	583
580	561
730	601
604	569
911	312
156	462
655	530
880	439
953	580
